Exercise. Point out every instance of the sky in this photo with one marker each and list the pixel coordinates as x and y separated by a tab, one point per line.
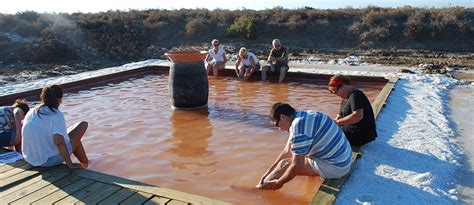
66	6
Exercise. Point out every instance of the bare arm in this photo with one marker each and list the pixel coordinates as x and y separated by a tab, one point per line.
224	57
353	118
285	153
208	58
237	66
61	145
19	116
297	163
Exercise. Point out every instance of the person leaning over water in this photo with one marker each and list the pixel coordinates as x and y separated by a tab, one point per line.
316	147
10	124
355	114
46	141
249	62
277	60
215	58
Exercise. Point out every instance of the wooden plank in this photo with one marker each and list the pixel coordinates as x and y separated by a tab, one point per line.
168	193
22	184
176	202
137	198
97	196
47	190
84	193
156	200
61	193
118	196
32	188
7	167
21	177
383	95
323	198
15	171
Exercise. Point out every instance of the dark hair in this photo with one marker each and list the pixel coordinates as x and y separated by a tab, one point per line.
50	96
281	108
344	79
21	103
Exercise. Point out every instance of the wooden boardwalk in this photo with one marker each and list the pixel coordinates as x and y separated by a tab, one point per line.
21	183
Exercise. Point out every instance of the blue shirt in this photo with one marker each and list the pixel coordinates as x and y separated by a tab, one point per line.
316	135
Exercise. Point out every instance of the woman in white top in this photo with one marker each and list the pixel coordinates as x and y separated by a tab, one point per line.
215	58
46	141
249	62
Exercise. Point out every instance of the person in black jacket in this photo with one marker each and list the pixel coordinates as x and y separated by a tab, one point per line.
356	116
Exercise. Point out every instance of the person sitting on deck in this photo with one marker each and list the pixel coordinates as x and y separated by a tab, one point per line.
277	60
215	58
249	62
46	141
316	147
355	114
10	124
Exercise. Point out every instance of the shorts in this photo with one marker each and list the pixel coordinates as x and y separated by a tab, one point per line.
57	159
277	67
213	62
327	170
257	66
7	138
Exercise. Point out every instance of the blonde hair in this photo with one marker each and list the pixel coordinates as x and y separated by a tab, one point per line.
243	52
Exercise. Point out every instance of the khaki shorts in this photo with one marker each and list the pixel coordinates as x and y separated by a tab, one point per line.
327	170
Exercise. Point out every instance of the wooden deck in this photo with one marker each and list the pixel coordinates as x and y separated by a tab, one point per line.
330	188
21	183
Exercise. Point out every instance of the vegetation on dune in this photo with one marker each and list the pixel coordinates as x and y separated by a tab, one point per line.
134	35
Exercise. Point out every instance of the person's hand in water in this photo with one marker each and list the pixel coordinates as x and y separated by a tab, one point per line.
270	185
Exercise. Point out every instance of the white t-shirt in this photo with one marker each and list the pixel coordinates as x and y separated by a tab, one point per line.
38	130
216	56
246	61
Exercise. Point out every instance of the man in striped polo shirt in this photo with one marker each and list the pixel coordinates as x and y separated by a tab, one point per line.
316	147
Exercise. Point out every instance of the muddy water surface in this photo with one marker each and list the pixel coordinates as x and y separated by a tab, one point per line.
218	152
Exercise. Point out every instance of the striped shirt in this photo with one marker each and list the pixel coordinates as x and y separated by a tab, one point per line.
316	135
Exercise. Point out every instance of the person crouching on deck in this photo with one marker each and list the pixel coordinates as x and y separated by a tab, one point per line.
355	114
46	140
316	147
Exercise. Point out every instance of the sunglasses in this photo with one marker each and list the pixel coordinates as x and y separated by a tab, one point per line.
335	91
216	44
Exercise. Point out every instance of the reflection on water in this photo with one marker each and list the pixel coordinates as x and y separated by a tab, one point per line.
219	152
191	132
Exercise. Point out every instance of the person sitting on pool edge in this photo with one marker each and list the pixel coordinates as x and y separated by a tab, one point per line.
215	58
316	147
46	139
249	62
356	116
277	60
11	118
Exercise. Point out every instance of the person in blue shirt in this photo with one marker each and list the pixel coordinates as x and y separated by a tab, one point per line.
316	146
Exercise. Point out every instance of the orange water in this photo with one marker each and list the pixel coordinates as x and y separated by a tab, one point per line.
218	152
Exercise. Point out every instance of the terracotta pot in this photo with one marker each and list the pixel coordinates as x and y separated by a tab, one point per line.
186	56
